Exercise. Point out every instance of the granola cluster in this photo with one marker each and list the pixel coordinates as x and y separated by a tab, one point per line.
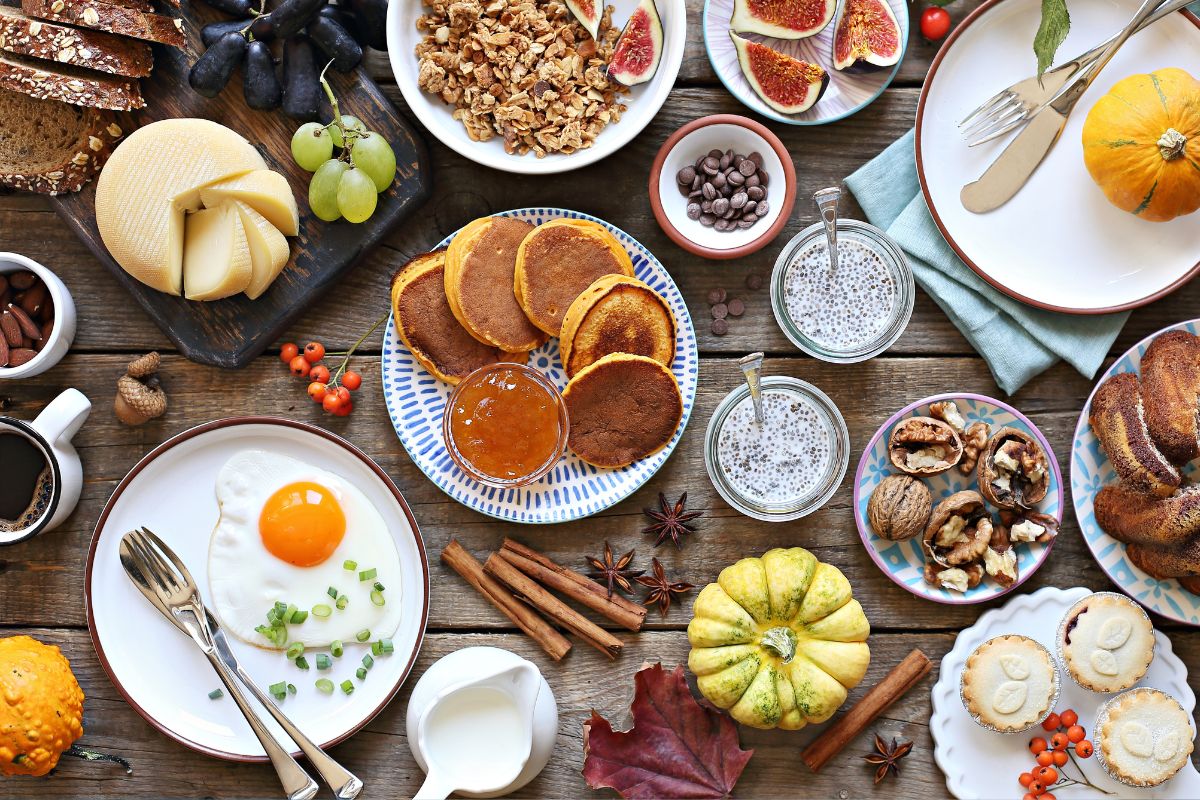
524	70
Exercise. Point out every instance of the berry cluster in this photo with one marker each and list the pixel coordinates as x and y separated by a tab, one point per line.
330	389
1068	741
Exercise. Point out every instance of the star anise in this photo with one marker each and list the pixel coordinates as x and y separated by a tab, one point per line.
661	589
887	757
615	573
670	520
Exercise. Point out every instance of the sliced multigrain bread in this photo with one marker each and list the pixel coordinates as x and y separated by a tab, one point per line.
103	16
97	50
51	147
46	80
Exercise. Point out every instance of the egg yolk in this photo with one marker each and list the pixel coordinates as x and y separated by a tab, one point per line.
302	524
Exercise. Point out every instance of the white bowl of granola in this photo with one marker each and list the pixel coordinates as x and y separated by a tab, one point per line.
533	98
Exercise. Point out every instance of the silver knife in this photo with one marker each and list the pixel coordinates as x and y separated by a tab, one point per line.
1012	168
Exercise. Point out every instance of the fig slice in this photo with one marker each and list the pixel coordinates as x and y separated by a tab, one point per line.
639	48
865	35
588	13
786	84
782	19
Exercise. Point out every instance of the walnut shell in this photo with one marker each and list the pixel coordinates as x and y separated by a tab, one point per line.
899	508
952	543
1013	472
924	446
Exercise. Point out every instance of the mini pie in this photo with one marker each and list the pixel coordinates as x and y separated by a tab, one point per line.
1106	642
1009	684
1143	737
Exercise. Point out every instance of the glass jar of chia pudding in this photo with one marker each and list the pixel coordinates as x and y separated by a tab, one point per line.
787	466
850	313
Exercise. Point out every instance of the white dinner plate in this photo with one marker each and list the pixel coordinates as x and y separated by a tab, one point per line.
1090	471
1058	244
162	673
979	763
642	102
849	91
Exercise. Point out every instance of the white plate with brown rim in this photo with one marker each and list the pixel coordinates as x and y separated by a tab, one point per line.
160	672
1058	244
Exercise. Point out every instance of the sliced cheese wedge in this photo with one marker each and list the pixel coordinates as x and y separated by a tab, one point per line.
269	251
216	256
265	191
148	183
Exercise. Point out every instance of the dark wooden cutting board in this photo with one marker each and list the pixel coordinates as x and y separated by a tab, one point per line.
231	332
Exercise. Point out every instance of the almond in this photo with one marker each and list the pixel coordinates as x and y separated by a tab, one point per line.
32	302
3	283
28	326
3	352
21	356
22	280
10	328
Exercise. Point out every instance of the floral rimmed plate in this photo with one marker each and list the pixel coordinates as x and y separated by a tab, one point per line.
1090	471
904	562
573	489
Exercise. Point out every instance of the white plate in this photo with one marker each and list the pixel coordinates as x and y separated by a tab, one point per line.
848	90
1058	243
160	672
1091	470
573	489
642	102
979	763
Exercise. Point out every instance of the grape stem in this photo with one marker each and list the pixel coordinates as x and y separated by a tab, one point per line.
348	135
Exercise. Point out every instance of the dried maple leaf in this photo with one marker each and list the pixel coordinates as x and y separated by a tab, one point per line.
676	747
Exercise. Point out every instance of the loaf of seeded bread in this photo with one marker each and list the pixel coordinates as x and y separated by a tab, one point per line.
97	50
107	16
51	147
46	80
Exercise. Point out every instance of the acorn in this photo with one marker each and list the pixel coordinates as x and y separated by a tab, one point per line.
140	396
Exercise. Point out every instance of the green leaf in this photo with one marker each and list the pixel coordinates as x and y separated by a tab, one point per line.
1056	22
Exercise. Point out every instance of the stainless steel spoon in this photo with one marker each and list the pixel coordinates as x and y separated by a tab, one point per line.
752	368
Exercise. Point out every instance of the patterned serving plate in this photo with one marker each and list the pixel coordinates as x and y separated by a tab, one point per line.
573	489
849	91
904	562
1090	470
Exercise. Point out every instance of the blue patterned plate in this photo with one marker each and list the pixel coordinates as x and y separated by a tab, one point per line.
572	489
1090	470
904	562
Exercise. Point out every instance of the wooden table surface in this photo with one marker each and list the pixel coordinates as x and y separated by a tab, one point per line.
41	581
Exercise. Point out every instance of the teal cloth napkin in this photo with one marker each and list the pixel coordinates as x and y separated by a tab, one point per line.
1016	340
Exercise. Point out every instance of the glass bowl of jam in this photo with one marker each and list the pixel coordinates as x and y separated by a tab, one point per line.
851	313
506	425
785	467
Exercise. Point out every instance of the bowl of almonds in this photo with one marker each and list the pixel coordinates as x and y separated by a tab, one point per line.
722	186
37	317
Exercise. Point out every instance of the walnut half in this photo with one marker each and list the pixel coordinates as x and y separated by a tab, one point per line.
959	530
924	446
1013	472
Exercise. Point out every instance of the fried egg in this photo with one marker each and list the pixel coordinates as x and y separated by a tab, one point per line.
286	533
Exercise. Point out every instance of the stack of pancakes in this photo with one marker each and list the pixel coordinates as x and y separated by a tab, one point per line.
1150	428
504	287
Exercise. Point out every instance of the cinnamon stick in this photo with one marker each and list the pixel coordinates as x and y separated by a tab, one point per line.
627	614
554	643
552	607
904	676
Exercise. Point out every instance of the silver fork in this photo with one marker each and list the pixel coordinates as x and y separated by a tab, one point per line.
174	593
1010	107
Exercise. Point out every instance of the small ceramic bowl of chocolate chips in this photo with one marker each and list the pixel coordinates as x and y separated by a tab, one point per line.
37	317
722	186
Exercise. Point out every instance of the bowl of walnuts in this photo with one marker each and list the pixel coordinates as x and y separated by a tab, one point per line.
958	498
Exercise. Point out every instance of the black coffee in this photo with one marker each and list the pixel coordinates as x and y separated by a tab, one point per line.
27	486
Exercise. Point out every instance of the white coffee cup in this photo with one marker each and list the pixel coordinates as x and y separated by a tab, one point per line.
51	434
63	332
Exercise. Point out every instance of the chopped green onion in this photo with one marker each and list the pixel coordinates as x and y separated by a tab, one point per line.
276	634
347	687
321	610
295	650
325	685
291	688
368	662
298	616
378	586
332	592
342	602
278	690
335	647
301	662
363	635
368	574
350	565
361	672
376	648
273	617
377	598
280	607
387	646
288	613
324	661
216	694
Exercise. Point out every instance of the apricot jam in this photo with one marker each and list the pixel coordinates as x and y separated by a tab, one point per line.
506	425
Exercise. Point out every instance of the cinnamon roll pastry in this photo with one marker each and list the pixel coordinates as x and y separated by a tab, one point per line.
1135	517
1167	562
1171	393
1118	418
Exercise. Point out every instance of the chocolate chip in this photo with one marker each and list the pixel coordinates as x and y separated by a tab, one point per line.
720	311
693	211
724	162
722	224
716	296
736	178
720	327
707	220
756	193
747	222
718	181
706	206
757	158
747	168
711	165
686	176
763	178
763	209
710	191
714	153
749	207
753	180
695	196
736	306
720	206
754	281
684	189
696	184
738	200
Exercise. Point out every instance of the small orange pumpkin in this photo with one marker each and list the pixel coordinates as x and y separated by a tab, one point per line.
1141	144
41	706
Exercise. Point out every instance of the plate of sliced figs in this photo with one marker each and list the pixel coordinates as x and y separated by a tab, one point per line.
958	498
806	62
